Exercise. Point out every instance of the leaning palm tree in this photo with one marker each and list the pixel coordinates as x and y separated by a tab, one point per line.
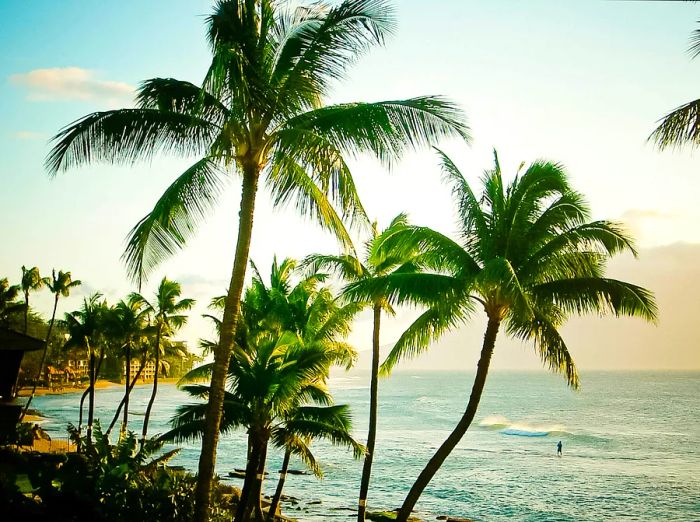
167	318
258	114
528	256
60	285
84	328
31	282
681	126
377	262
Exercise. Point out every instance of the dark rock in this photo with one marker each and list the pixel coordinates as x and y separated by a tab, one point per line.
314	502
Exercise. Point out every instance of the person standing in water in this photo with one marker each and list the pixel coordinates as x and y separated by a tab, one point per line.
559	445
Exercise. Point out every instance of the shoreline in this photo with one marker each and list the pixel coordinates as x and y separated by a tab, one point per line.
100	384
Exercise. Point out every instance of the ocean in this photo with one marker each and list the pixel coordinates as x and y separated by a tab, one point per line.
631	446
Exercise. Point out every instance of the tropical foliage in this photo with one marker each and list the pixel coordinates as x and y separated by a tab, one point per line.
287	339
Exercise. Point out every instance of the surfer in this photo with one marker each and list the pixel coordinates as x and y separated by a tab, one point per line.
559	449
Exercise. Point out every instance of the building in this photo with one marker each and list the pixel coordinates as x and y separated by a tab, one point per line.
147	373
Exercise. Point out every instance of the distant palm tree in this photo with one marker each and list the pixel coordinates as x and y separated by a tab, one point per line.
376	262
258	114
31	282
529	256
681	126
85	329
167	318
60	285
8	304
128	322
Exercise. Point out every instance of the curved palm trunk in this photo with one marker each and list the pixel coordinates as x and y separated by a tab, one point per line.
222	355
372	432
125	399
85	394
43	358
147	417
274	507
446	448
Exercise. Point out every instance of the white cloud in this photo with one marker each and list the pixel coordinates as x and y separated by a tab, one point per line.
27	135
71	83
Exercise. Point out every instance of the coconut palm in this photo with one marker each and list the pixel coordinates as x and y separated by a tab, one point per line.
128	323
84	328
528	255
167	318
681	126
377	262
31	282
258	114
270	382
59	285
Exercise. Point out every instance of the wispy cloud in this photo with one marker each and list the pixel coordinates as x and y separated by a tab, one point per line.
71	83
27	135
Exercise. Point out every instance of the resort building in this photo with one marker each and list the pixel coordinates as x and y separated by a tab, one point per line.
147	373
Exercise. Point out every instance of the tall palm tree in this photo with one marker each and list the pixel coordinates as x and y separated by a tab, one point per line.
84	329
31	282
377	262
528	256
258	114
128	322
681	126
59	285
167	318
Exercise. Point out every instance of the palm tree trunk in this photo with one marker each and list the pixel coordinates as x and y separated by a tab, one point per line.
127	378
256	492
26	311
451	442
147	417
246	505
85	395
91	399
274	507
43	358
372	432
125	399
222	355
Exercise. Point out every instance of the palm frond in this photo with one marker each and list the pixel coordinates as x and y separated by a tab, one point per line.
679	127
125	136
174	218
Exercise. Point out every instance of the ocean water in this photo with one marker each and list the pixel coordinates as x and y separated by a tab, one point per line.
631	446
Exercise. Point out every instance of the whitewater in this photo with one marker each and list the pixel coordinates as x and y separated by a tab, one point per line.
631	446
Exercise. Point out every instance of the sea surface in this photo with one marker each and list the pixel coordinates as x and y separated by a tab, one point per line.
631	446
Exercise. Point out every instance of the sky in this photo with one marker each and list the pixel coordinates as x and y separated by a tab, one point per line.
580	83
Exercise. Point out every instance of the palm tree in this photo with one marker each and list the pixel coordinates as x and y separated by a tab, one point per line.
259	113
8	305
681	126
377	262
128	321
167	314
529	256
270	381
84	329
60	285
31	282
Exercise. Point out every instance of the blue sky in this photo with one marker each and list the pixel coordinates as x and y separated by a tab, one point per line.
577	82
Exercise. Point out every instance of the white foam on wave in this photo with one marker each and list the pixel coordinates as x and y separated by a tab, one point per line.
523	429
